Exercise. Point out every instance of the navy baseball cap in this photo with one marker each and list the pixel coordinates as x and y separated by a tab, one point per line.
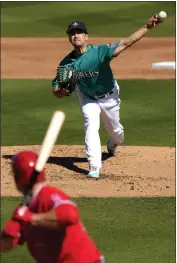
77	25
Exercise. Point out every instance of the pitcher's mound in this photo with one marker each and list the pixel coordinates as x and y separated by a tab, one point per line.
135	171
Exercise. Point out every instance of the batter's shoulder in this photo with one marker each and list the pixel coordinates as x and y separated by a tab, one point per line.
50	190
48	197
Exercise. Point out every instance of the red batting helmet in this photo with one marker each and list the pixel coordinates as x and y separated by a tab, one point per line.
23	164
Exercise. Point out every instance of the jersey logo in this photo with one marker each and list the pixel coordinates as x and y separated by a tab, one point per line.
86	74
112	44
57	201
75	24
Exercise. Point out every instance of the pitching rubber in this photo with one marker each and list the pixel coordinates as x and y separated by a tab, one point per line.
164	65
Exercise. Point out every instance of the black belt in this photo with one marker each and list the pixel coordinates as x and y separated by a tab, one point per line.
103	96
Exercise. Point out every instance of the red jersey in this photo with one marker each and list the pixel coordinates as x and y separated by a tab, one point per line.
68	244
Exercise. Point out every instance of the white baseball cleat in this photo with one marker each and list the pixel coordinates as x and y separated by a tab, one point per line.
94	172
111	148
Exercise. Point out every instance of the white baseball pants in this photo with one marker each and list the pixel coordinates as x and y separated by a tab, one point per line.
91	110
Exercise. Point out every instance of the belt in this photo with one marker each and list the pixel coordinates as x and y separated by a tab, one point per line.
103	96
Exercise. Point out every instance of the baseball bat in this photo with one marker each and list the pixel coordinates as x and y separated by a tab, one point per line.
49	140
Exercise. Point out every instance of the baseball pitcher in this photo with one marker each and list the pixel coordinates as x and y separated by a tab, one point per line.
87	70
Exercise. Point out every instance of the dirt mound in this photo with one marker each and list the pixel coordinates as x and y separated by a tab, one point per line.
135	171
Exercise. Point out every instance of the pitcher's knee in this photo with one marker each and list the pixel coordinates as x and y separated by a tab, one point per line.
118	134
93	124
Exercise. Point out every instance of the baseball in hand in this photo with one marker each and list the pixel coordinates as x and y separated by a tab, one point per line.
162	14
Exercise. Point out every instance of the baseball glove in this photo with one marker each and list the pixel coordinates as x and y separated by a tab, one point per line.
66	77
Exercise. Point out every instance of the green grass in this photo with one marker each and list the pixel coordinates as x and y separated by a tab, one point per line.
22	19
127	230
147	113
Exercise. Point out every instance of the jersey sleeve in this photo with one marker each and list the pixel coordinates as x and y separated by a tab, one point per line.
53	199
108	50
14	229
66	210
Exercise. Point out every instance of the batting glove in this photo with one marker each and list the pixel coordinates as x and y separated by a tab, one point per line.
22	213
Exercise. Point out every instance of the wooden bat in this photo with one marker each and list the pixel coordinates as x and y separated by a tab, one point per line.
49	140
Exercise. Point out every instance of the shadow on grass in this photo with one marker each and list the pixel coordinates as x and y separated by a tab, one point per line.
67	162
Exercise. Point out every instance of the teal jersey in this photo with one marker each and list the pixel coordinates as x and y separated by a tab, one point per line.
94	68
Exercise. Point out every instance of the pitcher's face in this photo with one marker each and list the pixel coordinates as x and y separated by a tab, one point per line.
78	38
